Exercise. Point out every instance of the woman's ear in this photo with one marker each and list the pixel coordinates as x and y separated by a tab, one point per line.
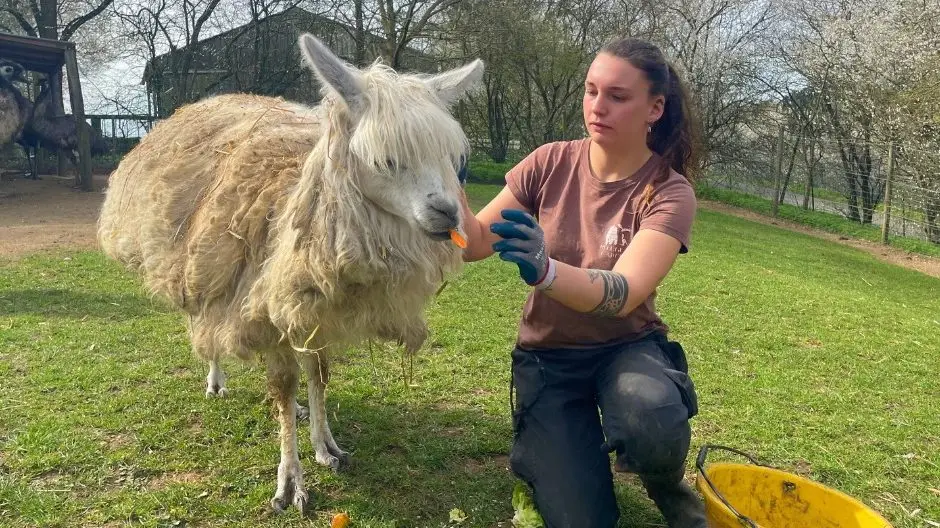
657	108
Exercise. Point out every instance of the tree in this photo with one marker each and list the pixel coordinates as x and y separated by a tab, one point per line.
858	57
720	46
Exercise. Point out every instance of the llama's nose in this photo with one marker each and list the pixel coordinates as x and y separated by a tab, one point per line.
444	208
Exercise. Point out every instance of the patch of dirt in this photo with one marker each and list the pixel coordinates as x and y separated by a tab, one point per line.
802	468
47	214
452	432
116	441
165	480
475	466
924	264
812	343
51	480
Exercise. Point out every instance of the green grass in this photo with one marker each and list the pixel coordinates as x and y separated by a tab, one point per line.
811	355
488	171
826	221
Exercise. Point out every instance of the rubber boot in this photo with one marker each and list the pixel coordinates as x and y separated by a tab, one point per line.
676	500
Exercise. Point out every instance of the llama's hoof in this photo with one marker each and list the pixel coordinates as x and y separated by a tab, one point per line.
302	412
299	500
216	390
343	456
330	461
290	488
335	459
215	381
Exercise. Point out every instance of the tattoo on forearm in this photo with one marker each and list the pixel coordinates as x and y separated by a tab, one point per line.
615	292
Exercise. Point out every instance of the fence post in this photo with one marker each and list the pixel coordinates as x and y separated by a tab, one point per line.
885	225
809	173
778	170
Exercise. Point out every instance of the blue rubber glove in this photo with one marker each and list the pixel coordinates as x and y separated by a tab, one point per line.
523	243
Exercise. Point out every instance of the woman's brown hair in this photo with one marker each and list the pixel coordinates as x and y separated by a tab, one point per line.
675	136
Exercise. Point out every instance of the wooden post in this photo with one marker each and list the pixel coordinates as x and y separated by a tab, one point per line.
809	172
55	93
778	171
78	112
885	226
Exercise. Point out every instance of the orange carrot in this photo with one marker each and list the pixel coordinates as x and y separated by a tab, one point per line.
458	239
340	520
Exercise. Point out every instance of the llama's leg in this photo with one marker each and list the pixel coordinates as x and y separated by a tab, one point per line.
206	349
283	375
324	446
302	412
215	381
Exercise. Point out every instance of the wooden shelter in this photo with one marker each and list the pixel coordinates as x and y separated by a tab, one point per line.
48	56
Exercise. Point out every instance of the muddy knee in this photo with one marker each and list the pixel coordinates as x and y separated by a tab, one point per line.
646	422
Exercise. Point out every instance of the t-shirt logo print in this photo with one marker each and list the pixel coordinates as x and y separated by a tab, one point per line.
615	241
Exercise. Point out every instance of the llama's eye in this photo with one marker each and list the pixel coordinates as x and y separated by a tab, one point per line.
391	165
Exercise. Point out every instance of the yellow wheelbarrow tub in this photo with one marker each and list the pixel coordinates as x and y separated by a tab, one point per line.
758	496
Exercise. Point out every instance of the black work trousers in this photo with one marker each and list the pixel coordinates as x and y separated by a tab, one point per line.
572	408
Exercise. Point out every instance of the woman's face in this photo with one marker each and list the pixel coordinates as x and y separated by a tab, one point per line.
618	106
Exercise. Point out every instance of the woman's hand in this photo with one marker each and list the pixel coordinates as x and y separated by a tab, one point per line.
523	242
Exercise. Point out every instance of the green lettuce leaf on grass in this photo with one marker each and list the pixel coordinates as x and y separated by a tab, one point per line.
526	515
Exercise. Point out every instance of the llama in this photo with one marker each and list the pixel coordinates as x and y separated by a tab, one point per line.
289	232
15	110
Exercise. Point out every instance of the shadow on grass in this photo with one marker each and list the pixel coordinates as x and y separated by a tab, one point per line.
56	302
412	463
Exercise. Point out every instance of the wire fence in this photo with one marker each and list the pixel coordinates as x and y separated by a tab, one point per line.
894	186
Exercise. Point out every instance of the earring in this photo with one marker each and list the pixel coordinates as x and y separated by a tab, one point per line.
649	129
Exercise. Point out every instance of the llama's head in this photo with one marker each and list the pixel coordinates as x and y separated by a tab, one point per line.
11	71
401	145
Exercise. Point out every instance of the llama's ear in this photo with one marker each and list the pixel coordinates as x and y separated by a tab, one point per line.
452	84
332	71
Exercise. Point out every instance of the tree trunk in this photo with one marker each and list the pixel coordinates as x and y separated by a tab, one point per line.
863	165
360	35
789	173
496	122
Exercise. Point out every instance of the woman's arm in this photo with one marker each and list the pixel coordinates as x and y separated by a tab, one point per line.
480	239
615	293
612	293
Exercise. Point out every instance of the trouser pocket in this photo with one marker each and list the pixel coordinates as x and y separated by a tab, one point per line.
686	389
526	385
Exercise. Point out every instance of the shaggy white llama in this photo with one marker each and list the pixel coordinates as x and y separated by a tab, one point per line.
290	232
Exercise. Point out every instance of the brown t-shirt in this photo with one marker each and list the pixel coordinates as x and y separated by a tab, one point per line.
588	223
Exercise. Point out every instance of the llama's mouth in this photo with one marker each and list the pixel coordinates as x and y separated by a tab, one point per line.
443	235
